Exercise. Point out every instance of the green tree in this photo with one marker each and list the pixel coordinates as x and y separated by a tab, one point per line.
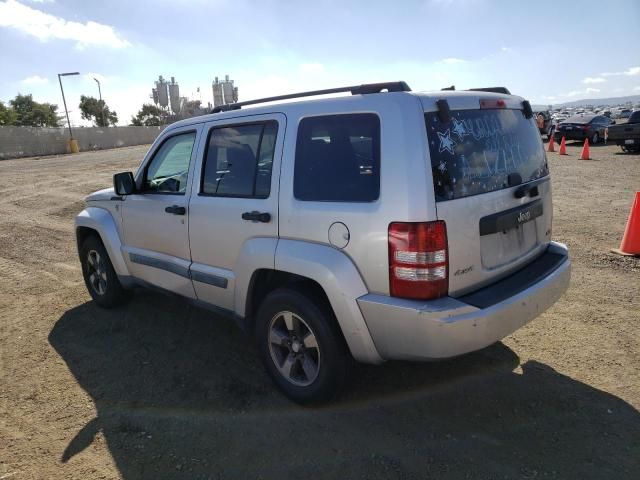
97	111
7	115
148	116
33	114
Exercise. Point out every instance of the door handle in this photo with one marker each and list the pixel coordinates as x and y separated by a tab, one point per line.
255	216
176	210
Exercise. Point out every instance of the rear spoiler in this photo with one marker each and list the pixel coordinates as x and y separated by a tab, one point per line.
503	90
444	112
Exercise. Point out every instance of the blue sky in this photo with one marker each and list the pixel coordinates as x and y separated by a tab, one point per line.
547	51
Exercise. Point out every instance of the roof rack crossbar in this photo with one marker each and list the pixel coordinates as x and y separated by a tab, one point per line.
354	90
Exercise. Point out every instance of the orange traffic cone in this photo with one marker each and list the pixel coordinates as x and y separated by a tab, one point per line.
585	150
630	244
563	147
551	146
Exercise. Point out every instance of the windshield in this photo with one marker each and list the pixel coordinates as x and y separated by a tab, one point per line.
478	150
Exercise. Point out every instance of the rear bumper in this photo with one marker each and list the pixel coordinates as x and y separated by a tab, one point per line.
447	327
572	135
631	142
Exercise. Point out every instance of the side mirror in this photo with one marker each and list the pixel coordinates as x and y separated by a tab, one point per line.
123	183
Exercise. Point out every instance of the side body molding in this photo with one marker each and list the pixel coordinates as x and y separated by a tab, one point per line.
342	283
102	222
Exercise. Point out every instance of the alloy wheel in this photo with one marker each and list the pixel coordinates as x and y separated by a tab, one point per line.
294	348
96	272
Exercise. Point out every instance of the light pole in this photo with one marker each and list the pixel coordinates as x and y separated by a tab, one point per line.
101	104
60	75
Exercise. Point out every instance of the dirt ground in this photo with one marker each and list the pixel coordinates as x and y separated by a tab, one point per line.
161	390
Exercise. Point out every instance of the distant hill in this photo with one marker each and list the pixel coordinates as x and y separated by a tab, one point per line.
601	101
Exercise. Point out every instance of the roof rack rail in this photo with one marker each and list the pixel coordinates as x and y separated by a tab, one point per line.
355	90
504	90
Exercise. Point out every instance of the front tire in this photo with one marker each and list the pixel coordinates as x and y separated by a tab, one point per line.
99	276
301	345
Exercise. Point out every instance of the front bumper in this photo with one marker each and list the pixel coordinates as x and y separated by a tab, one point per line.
448	327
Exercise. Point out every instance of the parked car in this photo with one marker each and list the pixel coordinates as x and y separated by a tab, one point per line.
382	225
627	135
607	113
580	127
626	113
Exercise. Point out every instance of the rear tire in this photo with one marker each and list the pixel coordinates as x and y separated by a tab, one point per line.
99	276
301	345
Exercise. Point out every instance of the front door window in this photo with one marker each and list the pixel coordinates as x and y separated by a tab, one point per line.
168	170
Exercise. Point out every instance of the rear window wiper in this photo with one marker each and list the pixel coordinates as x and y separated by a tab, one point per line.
530	188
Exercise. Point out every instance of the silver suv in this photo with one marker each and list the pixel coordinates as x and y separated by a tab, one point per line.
380	225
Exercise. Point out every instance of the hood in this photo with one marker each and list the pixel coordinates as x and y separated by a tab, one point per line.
104	194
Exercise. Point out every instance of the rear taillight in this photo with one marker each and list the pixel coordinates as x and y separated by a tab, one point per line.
585	127
418	260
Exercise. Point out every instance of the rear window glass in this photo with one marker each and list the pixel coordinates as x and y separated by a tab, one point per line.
477	152
338	158
579	119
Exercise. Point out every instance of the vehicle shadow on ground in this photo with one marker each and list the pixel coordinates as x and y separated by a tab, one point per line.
180	393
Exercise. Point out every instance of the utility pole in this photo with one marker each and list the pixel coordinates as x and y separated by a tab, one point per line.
101	104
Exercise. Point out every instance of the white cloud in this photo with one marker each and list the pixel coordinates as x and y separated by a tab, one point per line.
636	89
452	61
35	80
506	49
575	93
593	80
632	71
46	27
42	1
311	68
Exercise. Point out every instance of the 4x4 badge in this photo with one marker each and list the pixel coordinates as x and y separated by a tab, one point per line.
462	271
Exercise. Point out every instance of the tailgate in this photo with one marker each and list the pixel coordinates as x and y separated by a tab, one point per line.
499	234
618	132
492	189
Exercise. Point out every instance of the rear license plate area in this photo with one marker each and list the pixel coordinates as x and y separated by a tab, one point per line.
509	219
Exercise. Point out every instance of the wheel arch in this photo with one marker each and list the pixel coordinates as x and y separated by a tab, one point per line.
329	273
98	221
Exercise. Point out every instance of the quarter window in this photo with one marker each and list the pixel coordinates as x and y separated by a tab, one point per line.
168	170
239	160
338	158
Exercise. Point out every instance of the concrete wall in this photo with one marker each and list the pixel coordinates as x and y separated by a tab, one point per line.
18	142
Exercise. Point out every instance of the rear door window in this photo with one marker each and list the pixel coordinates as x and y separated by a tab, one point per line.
238	160
481	151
